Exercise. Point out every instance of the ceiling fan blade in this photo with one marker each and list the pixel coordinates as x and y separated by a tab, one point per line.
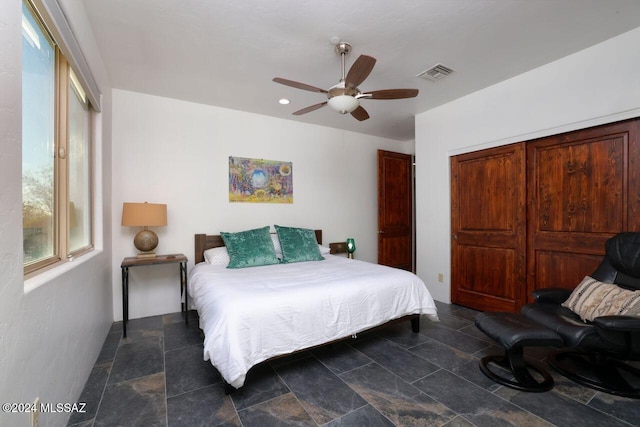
309	109
359	71
298	85
360	113
391	94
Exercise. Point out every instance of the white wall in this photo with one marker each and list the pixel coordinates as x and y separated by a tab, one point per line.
49	337
595	86
176	152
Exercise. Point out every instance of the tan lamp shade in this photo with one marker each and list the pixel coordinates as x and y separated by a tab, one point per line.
145	215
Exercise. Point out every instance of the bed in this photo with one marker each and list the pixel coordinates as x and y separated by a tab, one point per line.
249	315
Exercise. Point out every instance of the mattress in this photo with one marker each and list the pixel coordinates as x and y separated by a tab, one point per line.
252	314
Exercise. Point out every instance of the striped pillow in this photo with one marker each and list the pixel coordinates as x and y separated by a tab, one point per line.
591	299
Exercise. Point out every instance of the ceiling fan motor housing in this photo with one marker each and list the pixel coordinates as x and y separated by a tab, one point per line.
339	89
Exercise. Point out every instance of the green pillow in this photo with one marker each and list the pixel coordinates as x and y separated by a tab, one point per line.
250	248
298	244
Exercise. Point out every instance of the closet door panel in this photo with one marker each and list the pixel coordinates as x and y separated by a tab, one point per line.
581	192
580	186
488	270
563	269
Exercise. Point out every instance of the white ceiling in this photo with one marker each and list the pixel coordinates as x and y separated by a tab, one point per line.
226	52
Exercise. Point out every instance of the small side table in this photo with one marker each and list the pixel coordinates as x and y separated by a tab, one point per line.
339	248
160	259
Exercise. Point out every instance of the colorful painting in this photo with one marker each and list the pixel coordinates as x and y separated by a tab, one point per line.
260	181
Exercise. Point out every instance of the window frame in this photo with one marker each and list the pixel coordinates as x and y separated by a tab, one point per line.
72	80
61	216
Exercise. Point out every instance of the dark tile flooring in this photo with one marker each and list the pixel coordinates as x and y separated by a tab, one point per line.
387	377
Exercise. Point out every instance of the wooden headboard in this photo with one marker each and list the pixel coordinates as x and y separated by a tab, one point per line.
204	242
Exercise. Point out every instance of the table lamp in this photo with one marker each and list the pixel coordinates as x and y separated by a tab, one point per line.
145	215
351	247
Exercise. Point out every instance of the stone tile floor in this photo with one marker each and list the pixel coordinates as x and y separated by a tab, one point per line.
387	377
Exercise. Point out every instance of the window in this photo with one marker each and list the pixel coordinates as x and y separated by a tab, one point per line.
56	151
79	164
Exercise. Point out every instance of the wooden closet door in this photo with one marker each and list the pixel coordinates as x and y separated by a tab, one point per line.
488	223
583	188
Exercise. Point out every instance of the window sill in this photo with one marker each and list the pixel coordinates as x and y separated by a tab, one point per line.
33	283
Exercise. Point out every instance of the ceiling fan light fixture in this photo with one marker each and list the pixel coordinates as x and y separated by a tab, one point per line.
343	104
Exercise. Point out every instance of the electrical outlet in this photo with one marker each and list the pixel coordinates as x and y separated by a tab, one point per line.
35	413
440	277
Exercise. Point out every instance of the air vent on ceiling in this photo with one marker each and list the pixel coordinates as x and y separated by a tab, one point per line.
435	73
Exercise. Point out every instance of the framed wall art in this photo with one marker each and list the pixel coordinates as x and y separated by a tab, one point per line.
260	181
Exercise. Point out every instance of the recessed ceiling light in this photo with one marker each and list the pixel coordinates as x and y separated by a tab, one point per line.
284	101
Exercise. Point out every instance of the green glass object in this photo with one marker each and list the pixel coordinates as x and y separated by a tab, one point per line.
351	246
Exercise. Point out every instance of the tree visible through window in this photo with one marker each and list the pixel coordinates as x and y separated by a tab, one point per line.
56	151
38	127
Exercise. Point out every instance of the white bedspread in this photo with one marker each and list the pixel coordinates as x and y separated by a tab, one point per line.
252	314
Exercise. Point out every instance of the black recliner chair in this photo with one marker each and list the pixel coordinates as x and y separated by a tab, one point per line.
595	353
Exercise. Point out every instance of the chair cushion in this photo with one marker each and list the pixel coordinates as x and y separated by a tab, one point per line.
591	299
514	330
566	323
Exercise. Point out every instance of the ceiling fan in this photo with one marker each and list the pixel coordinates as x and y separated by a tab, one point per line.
345	96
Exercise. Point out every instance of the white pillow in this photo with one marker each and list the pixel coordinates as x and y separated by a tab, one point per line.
217	256
276	244
324	250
